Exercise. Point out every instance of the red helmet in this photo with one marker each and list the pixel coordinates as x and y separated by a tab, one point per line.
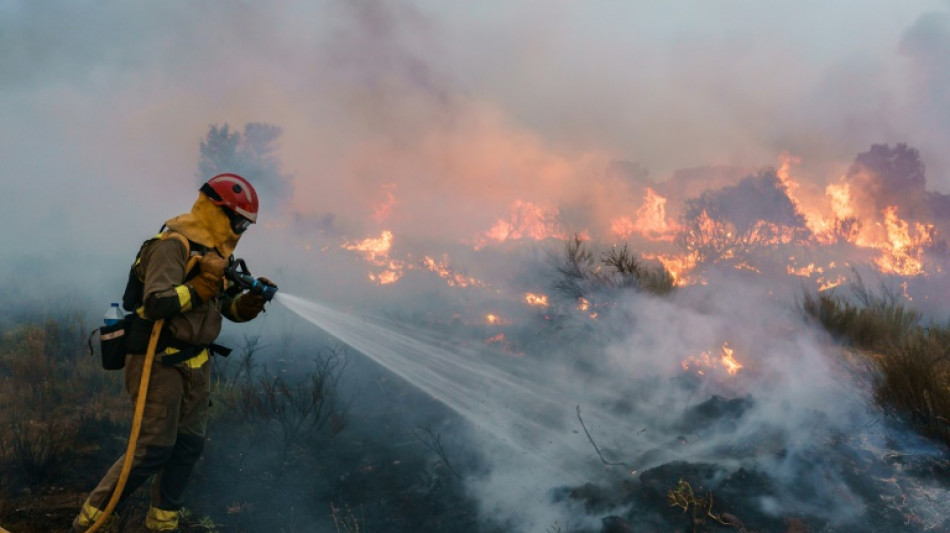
234	192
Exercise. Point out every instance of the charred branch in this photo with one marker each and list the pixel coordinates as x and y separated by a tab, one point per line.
600	454
433	442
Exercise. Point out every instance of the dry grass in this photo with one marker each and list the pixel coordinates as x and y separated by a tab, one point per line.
913	359
63	419
52	397
287	412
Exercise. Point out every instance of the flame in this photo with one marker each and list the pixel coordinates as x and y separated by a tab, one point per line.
705	361
679	266
838	213
446	272
537	300
622	227
728	361
386	277
805	271
495	320
902	251
525	221
651	220
746	266
375	250
840	194
786	160
815	221
583	304
824	284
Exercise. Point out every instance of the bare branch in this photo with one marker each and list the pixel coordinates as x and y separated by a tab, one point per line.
596	449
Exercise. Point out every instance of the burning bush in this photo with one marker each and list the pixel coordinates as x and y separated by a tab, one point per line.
735	222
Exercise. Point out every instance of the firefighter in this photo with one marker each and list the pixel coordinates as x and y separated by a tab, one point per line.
177	402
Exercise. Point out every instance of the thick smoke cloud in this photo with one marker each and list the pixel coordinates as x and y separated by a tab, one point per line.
374	98
433	120
926	44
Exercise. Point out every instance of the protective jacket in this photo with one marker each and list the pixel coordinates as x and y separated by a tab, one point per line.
191	325
175	417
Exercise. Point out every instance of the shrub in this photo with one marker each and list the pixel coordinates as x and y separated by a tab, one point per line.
913	360
50	398
267	404
579	275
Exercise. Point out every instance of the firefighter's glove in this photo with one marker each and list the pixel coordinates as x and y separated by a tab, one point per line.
208	282
250	304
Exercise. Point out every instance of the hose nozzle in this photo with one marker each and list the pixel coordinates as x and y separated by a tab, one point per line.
238	273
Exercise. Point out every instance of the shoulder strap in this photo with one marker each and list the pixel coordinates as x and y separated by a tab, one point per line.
178	237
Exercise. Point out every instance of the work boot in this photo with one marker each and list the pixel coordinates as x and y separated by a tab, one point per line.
161	521
87	517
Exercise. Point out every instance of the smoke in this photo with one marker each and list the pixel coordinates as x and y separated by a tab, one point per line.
788	429
925	43
444	123
376	99
249	153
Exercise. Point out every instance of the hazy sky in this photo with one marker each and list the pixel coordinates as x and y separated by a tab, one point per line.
456	108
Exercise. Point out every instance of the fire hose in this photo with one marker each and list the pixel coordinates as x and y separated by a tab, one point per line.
136	426
137	417
136	422
238	273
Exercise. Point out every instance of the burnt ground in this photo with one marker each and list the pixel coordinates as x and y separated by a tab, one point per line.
370	471
377	476
374	473
890	488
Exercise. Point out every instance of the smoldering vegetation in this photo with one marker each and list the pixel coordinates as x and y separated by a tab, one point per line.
294	444
639	425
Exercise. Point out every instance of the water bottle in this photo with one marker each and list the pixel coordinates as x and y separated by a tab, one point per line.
114	314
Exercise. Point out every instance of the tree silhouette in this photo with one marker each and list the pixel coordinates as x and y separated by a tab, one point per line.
733	222
892	176
250	153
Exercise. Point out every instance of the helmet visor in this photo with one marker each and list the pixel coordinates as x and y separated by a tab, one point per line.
239	224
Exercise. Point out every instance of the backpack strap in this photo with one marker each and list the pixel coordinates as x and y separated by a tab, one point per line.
178	237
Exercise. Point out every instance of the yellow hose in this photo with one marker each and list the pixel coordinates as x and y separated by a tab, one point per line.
136	428
137	418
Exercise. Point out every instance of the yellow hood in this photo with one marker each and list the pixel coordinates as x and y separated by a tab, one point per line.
206	225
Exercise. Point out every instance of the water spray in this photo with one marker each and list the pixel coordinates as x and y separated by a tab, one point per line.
527	407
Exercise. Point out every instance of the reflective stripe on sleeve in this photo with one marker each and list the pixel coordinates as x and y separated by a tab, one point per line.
184	297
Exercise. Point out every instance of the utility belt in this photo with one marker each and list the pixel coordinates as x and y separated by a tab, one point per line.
173	350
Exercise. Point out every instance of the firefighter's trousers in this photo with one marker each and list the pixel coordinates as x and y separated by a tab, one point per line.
172	435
